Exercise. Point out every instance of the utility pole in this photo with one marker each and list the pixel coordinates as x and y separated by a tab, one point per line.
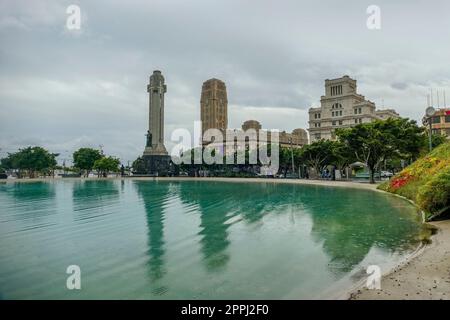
292	156
429	112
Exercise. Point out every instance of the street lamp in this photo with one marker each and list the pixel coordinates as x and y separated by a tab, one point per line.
429	112
292	155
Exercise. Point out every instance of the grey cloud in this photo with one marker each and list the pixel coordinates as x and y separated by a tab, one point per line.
399	85
90	88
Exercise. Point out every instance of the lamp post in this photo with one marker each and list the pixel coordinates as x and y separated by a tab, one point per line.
429	112
292	156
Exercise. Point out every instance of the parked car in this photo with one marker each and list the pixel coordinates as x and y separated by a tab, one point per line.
386	174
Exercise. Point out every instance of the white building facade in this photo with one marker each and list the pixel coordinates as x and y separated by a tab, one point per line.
342	107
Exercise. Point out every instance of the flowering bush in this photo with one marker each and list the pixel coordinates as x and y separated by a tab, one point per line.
400	181
426	181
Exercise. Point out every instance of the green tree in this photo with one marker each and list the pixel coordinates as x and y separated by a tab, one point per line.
383	140
368	143
285	161
138	165
31	160
84	159
407	138
317	154
105	165
436	140
342	155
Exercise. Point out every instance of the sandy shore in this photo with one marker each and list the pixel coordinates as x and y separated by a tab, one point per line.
424	276
344	184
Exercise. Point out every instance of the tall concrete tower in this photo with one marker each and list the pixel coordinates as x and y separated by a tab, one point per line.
214	105
155	134
156	161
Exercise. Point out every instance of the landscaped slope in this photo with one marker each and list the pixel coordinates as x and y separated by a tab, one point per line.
426	182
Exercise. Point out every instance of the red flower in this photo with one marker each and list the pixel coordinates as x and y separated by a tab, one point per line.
400	181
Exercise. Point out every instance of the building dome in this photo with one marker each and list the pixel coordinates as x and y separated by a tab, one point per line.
251	124
300	132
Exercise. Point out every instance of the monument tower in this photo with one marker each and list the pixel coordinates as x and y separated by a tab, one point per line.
155	155
155	134
214	106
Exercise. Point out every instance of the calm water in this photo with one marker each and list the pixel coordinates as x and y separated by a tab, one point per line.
199	240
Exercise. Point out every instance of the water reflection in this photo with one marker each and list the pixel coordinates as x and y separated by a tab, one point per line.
214	207
195	240
29	192
154	196
349	224
31	204
94	199
220	203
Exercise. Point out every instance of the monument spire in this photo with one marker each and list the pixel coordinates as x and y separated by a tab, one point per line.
155	157
155	134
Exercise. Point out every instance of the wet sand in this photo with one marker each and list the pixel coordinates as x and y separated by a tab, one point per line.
426	276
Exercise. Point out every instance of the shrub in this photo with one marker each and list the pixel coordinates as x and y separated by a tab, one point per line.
434	196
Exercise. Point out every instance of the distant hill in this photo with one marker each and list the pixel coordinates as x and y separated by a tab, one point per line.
426	182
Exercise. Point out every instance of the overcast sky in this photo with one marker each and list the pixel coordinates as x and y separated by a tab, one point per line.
65	89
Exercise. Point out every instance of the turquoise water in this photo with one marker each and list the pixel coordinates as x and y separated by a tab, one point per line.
194	239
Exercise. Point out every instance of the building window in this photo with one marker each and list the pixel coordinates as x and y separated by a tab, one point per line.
317	136
356	110
335	90
340	122
436	120
319	115
340	113
332	114
336	106
334	123
356	120
447	118
360	120
359	110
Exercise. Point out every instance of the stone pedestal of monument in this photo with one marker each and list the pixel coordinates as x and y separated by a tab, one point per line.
156	160
157	165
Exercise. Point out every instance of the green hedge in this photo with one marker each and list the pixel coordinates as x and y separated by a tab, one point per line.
434	196
426	182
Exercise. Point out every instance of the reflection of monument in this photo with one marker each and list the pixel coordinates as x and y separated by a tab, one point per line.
153	196
213	221
155	155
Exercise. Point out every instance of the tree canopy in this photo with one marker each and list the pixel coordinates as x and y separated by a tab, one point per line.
84	159
377	141
30	160
105	165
